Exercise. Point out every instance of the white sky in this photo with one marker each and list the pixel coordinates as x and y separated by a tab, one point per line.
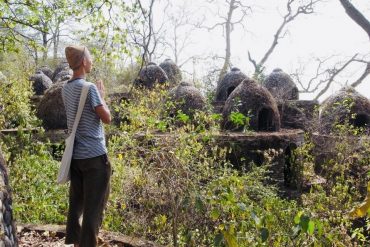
328	32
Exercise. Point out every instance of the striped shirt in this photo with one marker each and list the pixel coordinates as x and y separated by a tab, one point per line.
90	139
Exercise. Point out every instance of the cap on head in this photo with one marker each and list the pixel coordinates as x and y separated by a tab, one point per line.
75	55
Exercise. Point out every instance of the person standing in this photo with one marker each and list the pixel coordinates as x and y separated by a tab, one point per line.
90	169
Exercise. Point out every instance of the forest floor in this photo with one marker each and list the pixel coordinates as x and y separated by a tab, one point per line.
54	236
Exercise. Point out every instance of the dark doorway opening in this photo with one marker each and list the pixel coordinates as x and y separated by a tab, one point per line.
265	120
229	91
295	94
288	176
361	120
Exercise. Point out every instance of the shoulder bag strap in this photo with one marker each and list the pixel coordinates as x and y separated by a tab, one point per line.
84	91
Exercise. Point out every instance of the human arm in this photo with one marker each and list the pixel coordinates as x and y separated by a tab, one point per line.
102	110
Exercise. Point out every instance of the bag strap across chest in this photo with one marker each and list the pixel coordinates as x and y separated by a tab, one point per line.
84	91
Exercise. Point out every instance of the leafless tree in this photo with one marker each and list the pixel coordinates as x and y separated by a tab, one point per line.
324	77
292	12
227	22
146	36
179	32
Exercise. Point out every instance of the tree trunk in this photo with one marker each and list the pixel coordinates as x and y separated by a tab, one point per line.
55	43
45	46
356	16
227	38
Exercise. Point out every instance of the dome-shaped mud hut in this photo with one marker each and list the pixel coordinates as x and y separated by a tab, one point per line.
227	85
346	106
51	108
63	75
41	82
185	98
60	71
173	72
150	75
253	101
281	85
46	70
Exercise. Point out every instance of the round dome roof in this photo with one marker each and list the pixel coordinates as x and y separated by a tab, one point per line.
281	85
253	101
230	81
346	105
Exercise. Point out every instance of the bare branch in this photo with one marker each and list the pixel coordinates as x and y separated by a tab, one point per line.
363	76
356	16
305	9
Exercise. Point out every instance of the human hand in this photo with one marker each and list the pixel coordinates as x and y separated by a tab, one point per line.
101	88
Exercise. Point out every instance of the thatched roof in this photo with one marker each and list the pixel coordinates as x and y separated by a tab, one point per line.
230	81
254	101
186	98
46	70
346	105
51	108
41	82
281	85
63	66
150	75
172	71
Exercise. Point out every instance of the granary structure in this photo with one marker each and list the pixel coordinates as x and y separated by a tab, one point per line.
40	82
294	113
51	109
150	75
173	72
226	86
185	98
344	119
46	70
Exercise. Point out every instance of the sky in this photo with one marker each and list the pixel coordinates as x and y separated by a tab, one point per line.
329	32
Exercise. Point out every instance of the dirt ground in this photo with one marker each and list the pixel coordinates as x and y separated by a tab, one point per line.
52	239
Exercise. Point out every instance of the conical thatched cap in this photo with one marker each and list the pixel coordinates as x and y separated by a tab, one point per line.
41	82
230	81
51	108
186	98
253	101
173	72
281	85
346	105
150	75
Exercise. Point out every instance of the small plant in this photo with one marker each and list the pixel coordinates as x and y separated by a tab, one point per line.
240	120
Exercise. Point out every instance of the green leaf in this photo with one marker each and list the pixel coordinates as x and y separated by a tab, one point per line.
304	222
264	234
199	204
215	214
218	240
319	227
311	227
230	239
297	218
